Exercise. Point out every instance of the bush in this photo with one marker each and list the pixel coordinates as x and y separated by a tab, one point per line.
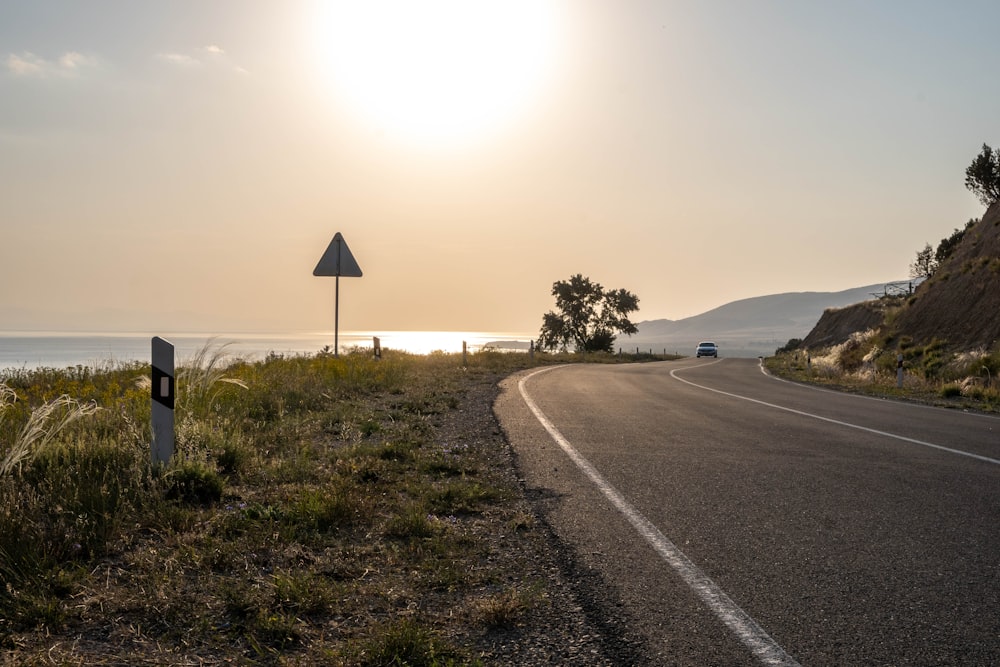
194	483
951	390
792	345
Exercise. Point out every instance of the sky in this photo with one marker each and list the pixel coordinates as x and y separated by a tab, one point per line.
182	166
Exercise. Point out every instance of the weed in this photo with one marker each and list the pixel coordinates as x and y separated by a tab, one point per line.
322	509
521	522
460	496
304	593
406	642
412	522
505	609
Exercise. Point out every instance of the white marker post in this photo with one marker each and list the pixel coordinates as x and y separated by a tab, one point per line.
162	400
337	261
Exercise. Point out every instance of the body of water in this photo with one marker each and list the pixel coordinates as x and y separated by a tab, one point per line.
50	349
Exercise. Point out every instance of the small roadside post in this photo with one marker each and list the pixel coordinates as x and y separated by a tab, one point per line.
899	370
162	405
337	261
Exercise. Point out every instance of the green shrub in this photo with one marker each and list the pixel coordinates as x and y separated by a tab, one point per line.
792	345
194	483
951	390
235	457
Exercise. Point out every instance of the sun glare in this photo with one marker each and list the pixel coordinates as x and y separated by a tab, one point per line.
437	71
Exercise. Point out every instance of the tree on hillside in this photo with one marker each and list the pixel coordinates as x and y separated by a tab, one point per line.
982	177
928	261
948	245
925	264
587	315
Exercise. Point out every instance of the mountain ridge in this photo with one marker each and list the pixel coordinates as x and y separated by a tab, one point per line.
750	327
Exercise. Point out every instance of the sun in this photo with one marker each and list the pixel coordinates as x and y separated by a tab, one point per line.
436	71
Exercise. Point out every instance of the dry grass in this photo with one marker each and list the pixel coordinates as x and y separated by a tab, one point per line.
318	510
863	364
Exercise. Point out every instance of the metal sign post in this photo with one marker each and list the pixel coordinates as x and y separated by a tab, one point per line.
337	261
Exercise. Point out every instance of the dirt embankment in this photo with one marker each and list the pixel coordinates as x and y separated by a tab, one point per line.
959	305
837	324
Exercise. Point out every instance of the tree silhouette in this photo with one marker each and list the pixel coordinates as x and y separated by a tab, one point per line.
587	316
982	177
924	265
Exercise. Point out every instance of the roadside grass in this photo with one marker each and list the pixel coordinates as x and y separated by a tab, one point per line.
318	510
868	365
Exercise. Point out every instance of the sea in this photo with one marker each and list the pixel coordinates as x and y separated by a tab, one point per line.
32	350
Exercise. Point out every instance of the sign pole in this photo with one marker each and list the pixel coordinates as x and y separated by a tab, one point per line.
337	261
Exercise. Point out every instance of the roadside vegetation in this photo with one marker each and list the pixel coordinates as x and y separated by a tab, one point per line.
318	510
868	363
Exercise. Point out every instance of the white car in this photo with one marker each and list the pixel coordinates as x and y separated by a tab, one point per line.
707	349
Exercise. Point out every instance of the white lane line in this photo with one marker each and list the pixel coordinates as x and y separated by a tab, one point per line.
912	441
738	621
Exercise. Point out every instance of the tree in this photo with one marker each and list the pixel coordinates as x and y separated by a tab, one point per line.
925	264
948	245
928	261
587	315
982	177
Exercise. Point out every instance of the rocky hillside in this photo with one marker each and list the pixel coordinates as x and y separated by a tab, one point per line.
837	324
959	306
960	303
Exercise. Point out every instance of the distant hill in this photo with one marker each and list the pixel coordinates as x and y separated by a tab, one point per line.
749	327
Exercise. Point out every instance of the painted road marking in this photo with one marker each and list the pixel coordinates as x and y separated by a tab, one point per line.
738	621
903	438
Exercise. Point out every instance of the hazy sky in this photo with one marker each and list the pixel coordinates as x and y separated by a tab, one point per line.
183	165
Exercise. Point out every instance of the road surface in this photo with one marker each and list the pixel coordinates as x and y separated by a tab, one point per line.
716	515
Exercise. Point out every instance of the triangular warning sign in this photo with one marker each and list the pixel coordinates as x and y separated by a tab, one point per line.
338	260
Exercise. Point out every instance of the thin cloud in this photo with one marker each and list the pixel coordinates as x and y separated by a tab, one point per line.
27	64
74	61
212	55
180	59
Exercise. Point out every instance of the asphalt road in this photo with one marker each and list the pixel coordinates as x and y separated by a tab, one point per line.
719	516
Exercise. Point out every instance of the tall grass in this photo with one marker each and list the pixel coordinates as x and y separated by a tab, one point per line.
43	425
201	380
